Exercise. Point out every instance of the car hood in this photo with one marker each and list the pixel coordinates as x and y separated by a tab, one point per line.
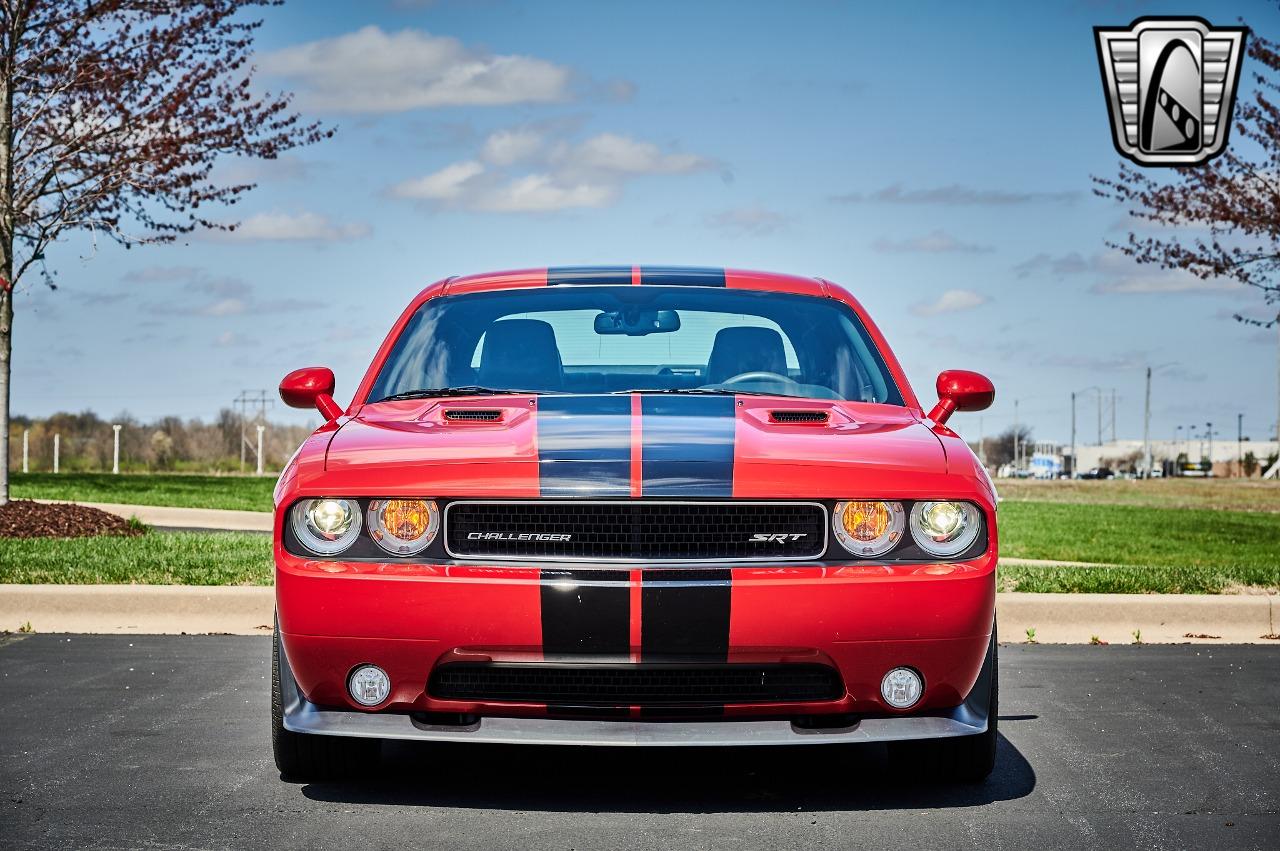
634	445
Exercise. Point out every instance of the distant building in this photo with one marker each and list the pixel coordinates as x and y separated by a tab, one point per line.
1125	455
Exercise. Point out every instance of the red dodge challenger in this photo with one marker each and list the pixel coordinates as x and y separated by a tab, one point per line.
635	505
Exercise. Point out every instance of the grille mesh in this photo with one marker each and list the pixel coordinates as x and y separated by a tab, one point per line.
635	684
636	531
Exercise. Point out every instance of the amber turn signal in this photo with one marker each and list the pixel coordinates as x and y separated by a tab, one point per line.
403	526
868	528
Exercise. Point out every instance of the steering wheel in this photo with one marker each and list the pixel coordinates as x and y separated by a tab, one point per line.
759	375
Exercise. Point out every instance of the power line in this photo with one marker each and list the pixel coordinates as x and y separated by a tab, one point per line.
258	401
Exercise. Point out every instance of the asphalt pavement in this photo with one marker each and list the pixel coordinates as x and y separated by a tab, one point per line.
163	741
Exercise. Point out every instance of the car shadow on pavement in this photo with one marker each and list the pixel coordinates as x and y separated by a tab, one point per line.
694	780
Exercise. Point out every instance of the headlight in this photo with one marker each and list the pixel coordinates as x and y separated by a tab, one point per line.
868	528
945	528
326	526
403	527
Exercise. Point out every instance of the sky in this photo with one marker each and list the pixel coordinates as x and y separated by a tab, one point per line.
935	159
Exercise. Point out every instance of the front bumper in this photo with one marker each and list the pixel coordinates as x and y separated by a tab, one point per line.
860	620
969	718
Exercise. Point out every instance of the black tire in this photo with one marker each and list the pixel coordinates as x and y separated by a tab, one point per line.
967	759
307	756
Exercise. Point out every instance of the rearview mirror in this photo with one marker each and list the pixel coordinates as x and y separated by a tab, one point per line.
311	387
637	322
961	390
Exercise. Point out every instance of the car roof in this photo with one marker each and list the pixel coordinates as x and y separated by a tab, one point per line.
683	276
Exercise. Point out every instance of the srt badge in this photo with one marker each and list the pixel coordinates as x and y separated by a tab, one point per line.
1170	85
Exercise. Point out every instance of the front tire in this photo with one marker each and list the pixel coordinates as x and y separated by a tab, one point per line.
308	756
967	759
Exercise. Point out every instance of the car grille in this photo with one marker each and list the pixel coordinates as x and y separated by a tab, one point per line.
636	531
634	684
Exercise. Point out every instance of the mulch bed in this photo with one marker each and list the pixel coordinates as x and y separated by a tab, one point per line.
23	518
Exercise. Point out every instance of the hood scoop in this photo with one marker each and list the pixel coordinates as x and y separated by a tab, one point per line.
799	417
473	415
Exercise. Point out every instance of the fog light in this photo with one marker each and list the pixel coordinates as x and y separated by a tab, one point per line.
369	685
901	688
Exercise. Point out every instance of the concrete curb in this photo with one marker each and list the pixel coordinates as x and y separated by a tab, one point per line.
138	609
240	610
218	519
1158	618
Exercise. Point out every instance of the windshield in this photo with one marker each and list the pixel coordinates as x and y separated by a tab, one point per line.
617	339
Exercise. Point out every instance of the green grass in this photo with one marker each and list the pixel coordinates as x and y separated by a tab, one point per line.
1228	494
156	558
1139	535
1137	580
248	493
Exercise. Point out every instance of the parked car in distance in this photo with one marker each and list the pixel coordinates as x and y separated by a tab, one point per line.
654	506
1098	473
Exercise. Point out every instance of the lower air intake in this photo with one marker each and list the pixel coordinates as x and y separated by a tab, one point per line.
640	684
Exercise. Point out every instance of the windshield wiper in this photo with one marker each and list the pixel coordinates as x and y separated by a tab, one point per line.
466	390
697	391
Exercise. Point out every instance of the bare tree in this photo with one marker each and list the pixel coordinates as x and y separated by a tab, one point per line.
1000	449
112	114
1233	201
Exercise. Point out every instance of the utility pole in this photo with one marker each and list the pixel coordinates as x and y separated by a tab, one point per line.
1146	427
1239	445
115	450
1099	389
57	440
259	400
25	435
261	429
1113	415
1015	436
1208	432
1074	465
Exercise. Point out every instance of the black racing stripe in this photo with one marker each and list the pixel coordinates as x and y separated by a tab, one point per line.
684	615
584	446
688	445
597	275
682	276
590	618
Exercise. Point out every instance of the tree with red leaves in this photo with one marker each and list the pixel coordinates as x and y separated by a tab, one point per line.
1220	220
112	114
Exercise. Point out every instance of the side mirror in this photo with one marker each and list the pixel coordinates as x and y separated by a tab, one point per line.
961	390
311	387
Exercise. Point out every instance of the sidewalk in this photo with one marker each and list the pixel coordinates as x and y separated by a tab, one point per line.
220	519
240	610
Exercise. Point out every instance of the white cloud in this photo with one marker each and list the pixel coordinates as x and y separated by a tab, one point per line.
223	307
286	227
748	221
507	147
529	170
542	193
444	185
1163	281
609	152
1116	273
951	301
230	340
937	242
371	71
